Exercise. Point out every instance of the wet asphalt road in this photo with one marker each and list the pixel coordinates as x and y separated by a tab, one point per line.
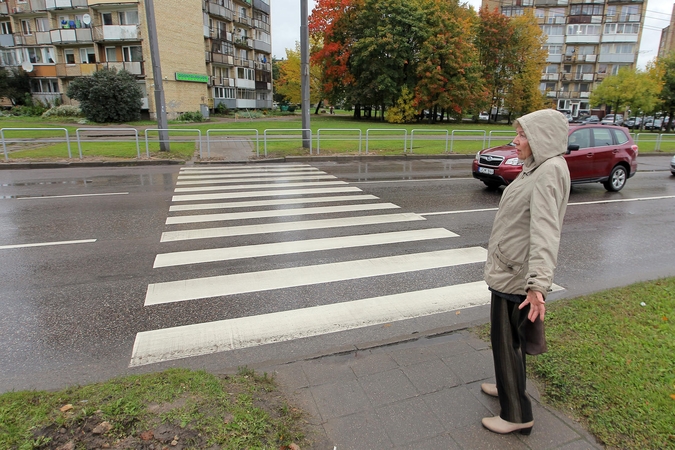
69	313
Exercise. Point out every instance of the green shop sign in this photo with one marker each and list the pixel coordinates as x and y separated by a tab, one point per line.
192	77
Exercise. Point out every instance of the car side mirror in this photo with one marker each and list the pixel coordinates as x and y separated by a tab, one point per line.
571	148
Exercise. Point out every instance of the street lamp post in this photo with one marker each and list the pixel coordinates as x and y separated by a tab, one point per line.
304	72
160	104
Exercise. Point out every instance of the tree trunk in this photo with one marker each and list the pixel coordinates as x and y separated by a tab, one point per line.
318	107
357	111
382	112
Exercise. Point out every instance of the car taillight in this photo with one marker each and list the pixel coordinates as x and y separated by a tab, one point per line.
634	148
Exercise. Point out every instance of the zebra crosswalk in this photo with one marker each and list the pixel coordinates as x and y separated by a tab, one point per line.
277	206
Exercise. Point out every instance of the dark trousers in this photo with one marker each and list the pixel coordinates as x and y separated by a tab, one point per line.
508	350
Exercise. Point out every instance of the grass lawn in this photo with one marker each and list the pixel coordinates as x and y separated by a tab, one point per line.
611	363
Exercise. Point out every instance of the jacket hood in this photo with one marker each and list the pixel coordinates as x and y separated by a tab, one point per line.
546	132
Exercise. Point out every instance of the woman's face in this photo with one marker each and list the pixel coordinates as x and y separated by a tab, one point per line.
522	145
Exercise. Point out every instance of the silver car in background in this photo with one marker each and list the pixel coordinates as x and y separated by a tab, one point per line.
672	165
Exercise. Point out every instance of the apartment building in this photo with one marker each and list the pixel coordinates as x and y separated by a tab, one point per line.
211	51
587	40
667	42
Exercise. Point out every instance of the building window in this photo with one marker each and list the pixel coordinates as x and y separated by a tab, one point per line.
8	58
42	24
69	55
44	85
40	55
245	94
128	17
88	55
629	13
26	28
583	30
133	53
551	68
245	74
110	54
586	10
223	92
5	28
553	49
106	18
622	28
553	30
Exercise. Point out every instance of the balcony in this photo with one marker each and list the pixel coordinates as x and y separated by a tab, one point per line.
244	63
134	68
117	33
600	76
261	6
28	7
64	70
22	39
261	46
218	81
583	39
66	4
243	20
550	2
244	84
584	94
4	9
71	36
550	76
550	94
267	67
6	40
219	58
263	86
243	42
220	35
617	58
618	18
217	10
261	25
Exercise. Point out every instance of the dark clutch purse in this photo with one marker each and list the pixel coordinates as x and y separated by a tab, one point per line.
535	337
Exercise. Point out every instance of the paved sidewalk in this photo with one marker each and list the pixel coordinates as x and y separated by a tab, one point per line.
421	394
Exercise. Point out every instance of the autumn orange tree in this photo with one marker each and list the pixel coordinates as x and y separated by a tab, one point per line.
448	75
289	84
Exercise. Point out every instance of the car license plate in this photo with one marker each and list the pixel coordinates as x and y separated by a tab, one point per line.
487	171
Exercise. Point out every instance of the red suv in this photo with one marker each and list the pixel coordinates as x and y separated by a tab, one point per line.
595	153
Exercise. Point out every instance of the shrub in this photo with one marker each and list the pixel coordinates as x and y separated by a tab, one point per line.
108	96
191	116
404	110
221	109
63	111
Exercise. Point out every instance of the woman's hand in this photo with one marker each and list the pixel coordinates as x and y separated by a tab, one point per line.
537	305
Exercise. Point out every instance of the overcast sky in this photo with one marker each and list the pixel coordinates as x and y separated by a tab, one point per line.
286	26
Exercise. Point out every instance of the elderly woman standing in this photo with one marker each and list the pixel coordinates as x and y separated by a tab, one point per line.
522	255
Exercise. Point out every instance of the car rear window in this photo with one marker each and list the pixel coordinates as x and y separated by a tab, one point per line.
620	136
602	137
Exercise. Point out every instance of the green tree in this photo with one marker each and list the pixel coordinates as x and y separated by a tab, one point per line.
523	95
616	91
108	96
666	67
448	75
14	85
289	84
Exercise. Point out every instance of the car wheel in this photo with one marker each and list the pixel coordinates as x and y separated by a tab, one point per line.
617	179
492	184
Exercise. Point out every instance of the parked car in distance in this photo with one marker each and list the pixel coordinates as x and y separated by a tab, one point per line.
591	119
672	165
633	122
653	124
612	119
483	115
595	153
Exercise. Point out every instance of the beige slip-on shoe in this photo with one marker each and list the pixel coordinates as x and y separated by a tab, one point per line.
489	389
498	425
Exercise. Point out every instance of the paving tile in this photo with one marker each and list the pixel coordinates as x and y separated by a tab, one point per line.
409	421
443	441
406	356
368	362
476	437
456	407
291	376
322	371
387	387
580	444
449	349
431	376
470	367
549	431
340	399
304	399
357	432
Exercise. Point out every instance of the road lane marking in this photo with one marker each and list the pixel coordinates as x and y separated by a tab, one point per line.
44	244
279	202
301	246
304	225
255	179
198	288
73	195
261	186
231	195
259	214
598	202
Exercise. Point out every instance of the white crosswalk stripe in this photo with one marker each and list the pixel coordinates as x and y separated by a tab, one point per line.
266	194
278	213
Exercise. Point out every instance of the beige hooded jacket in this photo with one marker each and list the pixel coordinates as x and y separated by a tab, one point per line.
523	247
